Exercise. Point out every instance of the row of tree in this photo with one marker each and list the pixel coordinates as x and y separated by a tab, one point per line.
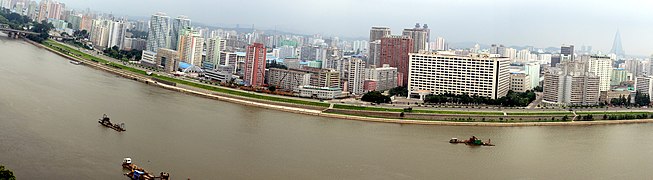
20	22
512	99
115	52
641	99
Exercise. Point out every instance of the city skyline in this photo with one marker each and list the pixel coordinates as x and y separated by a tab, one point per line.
540	24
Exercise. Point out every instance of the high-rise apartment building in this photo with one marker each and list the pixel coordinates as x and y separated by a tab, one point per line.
571	83
394	52
50	9
644	85
178	24
484	75
214	47
356	77
420	37
191	46
254	70
600	66
619	75
159	33
385	77
117	33
374	52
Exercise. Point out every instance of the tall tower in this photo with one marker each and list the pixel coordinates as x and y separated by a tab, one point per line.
376	33
420	37
178	24
255	65
159	33
616	46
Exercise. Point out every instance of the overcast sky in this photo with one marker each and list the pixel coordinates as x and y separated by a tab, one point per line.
511	22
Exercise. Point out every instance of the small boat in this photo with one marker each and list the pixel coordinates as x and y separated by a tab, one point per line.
137	173
75	62
473	141
106	121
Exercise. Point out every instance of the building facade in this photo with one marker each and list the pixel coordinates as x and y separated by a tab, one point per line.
520	82
168	59
484	75
356	77
288	79
254	70
600	66
159	32
385	77
178	24
394	52
191	46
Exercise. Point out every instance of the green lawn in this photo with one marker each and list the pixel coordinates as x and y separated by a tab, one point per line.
562	113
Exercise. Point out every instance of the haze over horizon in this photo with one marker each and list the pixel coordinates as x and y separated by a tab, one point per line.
540	23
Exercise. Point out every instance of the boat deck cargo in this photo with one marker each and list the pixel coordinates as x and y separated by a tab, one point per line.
473	141
137	173
106	121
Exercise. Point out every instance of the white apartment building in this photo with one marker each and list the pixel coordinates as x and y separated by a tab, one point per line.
600	66
356	76
385	77
644	85
443	72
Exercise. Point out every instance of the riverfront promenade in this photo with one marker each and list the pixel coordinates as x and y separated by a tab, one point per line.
461	117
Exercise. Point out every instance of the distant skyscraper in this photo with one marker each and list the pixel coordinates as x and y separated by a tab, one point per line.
394	52
567	50
254	70
376	33
159	33
439	44
419	36
178	24
616	46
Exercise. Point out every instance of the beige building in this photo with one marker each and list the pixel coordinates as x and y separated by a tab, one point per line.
600	66
644	85
288	79
571	83
385	77
168	59
444	72
520	82
191	45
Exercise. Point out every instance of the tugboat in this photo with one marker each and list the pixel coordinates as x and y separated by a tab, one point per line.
473	141
137	173
105	121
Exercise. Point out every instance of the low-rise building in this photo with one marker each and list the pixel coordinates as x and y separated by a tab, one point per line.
288	79
320	92
520	82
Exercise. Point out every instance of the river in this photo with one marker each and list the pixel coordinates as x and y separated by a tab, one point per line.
48	130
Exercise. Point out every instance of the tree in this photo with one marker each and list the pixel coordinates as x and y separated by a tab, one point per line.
43	29
6	174
399	91
272	88
642	99
375	97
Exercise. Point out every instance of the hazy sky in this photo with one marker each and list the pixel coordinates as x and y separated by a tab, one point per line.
511	22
